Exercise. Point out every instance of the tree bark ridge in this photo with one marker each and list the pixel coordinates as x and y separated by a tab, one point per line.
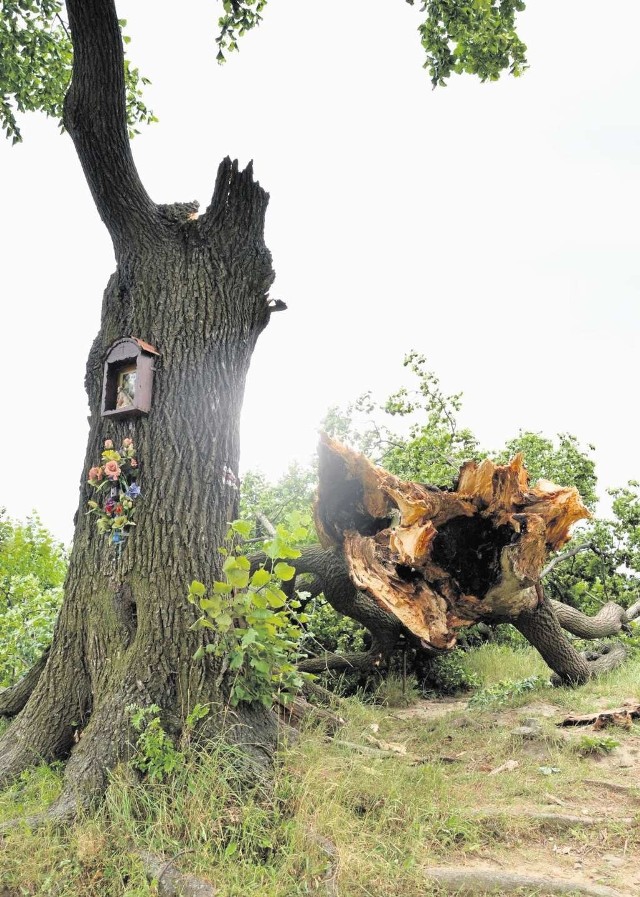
14	698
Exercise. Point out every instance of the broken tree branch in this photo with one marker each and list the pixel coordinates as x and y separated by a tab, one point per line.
570	553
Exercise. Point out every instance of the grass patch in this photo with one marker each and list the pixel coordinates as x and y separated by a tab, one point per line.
493	663
388	816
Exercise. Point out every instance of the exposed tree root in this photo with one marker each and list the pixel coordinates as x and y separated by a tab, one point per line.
62	812
299	710
556	821
330	879
320	695
170	882
14	698
460	880
46	728
630	791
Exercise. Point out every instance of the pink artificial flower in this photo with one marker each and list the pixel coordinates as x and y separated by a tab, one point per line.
127	442
96	473
112	470
133	462
108	444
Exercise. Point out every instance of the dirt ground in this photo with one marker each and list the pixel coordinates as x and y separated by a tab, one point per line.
587	833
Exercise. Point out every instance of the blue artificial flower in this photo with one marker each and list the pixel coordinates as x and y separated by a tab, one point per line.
133	491
117	537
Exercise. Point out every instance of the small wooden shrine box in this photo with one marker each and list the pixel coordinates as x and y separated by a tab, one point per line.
128	378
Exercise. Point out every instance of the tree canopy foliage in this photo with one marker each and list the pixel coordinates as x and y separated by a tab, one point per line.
36	57
32	570
476	37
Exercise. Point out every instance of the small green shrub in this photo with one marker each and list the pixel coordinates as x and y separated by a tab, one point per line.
32	570
505	691
330	631
596	744
446	675
156	754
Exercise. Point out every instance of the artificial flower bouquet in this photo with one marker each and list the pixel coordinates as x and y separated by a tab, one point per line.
115	482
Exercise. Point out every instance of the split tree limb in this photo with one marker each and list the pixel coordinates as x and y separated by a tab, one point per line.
440	560
435	561
565	556
405	559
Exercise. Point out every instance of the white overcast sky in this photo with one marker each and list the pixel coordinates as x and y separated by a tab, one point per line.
492	227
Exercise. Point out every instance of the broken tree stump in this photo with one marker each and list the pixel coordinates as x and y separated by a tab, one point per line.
437	559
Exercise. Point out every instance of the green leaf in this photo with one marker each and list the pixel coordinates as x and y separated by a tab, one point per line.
284	571
199	653
239	579
212	606
260	665
197	588
242	527
275	596
203	623
222	588
260	578
223	621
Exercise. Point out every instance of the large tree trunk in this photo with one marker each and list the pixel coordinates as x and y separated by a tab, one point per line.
195	288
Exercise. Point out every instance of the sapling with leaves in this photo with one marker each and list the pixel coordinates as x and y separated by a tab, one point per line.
250	624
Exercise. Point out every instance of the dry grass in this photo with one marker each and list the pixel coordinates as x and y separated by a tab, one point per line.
388	816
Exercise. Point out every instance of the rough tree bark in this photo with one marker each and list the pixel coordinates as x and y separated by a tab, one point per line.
195	288
413	560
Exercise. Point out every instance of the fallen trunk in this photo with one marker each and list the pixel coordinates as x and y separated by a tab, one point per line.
407	559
